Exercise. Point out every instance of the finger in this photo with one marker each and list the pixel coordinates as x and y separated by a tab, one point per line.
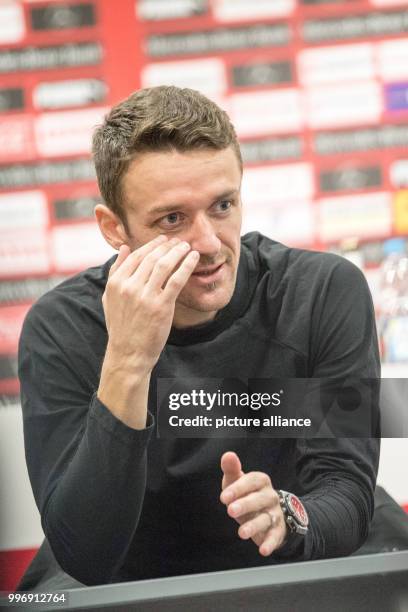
254	502
165	266
124	251
257	525
180	277
244	518
142	274
231	466
132	262
271	542
252	481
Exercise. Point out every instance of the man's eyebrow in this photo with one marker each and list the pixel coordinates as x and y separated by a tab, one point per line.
160	210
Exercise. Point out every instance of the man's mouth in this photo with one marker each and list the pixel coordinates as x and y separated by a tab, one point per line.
207	270
209	274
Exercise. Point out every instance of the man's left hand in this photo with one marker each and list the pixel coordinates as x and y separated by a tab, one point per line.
253	502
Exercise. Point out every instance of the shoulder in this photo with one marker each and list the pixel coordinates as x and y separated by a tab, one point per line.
315	270
72	301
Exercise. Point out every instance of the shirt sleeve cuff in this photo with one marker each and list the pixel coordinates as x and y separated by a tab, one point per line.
109	422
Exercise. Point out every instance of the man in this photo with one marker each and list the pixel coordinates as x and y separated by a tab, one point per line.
186	297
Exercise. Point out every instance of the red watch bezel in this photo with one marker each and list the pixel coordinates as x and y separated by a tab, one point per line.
297	509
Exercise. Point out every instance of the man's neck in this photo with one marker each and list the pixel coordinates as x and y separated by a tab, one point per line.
184	317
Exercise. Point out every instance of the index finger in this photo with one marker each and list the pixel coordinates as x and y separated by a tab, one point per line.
253	481
127	260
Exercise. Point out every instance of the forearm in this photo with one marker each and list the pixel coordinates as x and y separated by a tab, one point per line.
336	484
92	514
339	519
124	388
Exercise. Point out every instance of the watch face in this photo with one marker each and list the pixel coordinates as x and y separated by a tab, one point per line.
297	509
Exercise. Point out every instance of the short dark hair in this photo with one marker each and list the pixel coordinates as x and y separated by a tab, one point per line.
156	119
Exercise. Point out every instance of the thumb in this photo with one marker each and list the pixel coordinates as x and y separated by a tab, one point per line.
231	466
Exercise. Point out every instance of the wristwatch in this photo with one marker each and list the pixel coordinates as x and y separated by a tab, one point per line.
295	514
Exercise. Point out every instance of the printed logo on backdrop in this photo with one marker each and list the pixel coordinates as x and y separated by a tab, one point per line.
356	26
207	75
24	209
277	184
346	104
23	251
262	73
367	139
262	112
56	56
276	219
237	10
334	64
156	10
350	178
27	290
47	173
66	133
75	208
345	216
23	233
221	39
11	98
78	246
60	94
396	97
272	149
62	16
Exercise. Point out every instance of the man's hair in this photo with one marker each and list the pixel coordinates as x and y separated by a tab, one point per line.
156	119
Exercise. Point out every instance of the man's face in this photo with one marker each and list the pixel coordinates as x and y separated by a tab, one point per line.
194	196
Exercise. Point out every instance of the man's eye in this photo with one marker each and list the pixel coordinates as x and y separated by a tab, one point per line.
170	220
224	205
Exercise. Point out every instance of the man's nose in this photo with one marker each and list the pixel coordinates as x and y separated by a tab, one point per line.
203	237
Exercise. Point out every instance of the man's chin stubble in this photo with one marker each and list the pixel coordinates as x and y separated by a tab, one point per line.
211	286
197	305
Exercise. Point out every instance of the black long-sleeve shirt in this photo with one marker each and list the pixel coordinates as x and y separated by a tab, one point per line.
121	504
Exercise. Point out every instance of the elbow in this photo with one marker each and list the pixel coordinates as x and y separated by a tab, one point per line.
87	571
74	557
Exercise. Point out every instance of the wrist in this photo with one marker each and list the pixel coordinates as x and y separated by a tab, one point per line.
131	368
124	390
294	514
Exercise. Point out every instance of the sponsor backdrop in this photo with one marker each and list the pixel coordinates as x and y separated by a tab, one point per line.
318	92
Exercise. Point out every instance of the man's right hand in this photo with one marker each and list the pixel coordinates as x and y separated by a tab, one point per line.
139	303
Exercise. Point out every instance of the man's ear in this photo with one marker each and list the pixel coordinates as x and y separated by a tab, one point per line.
111	226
